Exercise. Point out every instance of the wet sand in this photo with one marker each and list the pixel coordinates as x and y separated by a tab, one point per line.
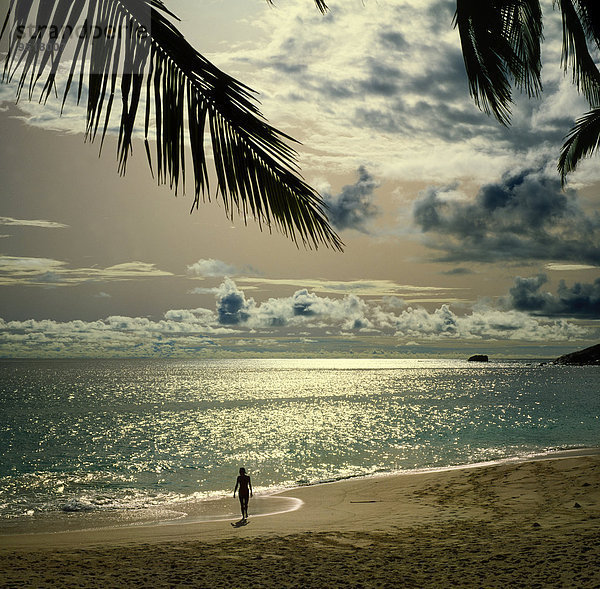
527	524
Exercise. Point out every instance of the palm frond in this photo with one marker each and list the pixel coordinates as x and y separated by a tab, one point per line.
501	44
582	141
158	71
523	28
580	22
322	6
589	13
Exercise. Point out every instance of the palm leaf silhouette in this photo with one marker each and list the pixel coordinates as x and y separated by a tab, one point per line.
143	57
501	46
582	141
580	24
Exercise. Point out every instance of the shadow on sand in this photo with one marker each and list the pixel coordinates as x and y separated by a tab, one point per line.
241	523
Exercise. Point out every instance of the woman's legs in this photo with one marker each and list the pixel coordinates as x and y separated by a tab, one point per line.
244	505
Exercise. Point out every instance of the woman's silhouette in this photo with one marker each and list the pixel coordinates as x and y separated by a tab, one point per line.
245	486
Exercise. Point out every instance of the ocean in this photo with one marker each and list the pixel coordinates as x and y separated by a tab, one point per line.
134	440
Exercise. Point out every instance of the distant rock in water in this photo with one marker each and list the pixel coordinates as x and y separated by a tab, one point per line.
478	358
589	356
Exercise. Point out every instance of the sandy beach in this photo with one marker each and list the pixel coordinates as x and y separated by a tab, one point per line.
517	524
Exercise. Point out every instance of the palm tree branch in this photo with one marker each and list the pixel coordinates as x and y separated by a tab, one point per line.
256	168
575	53
522	22
589	13
500	44
582	141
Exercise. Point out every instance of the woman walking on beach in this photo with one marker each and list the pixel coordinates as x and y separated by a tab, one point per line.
245	486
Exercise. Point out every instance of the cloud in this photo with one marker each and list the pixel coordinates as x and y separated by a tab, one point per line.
481	324
580	300
178	334
211	268
525	216
367	288
384	84
25	270
307	310
232	306
301	323
353	207
302	308
16	270
458	272
350	311
126	271
569	267
10	221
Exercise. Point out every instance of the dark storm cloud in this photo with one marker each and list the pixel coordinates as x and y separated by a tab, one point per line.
440	14
579	300
382	80
232	307
336	91
353	207
431	99
411	85
393	39
302	303
431	95
387	120
526	216
442	80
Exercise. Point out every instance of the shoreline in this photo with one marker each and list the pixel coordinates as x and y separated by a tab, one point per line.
224	509
527	523
291	499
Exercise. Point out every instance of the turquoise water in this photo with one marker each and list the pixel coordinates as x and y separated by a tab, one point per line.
118	435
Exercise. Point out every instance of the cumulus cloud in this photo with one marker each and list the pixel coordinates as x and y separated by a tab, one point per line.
525	216
303	319
232	306
119	336
481	324
579	300
353	207
308	310
211	268
302	308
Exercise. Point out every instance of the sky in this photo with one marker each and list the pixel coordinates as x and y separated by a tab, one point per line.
458	236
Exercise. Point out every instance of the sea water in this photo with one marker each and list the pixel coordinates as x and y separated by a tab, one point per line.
125	436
